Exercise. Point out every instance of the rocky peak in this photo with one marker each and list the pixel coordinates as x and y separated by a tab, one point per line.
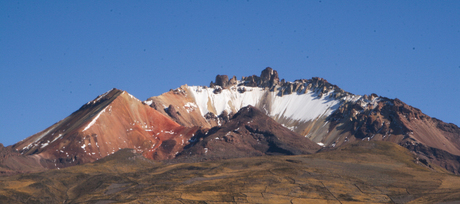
224	82
408	112
269	77
250	80
270	80
109	95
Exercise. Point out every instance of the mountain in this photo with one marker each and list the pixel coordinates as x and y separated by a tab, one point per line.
257	115
318	110
112	121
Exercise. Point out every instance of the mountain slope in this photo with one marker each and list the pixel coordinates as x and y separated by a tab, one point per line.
12	162
314	108
113	121
248	133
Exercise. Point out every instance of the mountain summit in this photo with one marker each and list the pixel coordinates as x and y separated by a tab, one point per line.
113	121
287	118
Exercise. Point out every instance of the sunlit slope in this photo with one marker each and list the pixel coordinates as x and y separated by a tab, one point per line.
112	121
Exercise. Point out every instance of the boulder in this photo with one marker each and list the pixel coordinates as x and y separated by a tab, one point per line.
222	80
233	81
268	77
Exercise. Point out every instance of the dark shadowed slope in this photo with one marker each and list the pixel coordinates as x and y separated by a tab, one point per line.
12	162
248	133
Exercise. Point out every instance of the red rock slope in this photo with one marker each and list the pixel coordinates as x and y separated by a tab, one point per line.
112	121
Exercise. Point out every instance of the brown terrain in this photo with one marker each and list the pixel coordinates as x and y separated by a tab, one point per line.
359	172
12	162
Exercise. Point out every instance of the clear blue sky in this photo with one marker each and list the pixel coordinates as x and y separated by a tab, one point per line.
57	55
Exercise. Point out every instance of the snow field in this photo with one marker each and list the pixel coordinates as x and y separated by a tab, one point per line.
301	107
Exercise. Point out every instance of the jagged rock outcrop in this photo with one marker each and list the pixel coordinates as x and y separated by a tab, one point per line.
224	82
269	77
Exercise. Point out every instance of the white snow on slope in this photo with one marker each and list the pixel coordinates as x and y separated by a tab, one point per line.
148	102
226	100
302	107
59	136
94	119
190	107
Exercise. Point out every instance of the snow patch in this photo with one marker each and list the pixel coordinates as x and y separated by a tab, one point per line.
148	102
190	107
169	132
94	119
289	127
45	144
59	136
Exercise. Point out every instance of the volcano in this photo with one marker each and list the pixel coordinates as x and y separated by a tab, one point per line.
230	118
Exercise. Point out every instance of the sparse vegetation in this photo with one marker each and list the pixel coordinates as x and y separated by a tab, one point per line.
368	172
